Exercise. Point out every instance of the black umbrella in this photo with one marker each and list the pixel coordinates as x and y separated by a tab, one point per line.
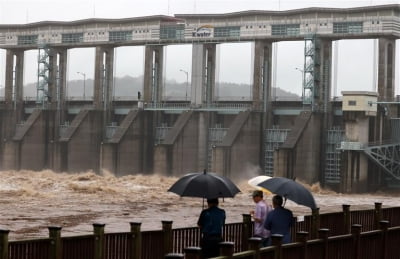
291	190
204	185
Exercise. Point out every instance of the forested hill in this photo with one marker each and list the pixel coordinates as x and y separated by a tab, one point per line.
129	86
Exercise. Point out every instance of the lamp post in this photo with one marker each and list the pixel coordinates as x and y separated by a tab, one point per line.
187	82
84	84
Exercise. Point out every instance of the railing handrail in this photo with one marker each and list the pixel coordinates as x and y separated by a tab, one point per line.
233	232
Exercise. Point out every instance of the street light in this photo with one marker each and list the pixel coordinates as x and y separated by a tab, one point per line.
84	84
187	82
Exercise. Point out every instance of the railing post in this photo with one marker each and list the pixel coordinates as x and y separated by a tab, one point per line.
301	237
136	251
192	252
315	223
346	218
98	231
377	214
226	249
323	234
356	231
56	249
246	231
167	236
255	244
4	243
276	240
384	225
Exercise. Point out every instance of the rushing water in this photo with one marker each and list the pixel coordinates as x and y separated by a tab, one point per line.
32	201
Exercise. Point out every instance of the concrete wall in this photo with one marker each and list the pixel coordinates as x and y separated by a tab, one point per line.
32	148
245	152
308	153
299	157
240	148
185	149
83	146
179	154
130	151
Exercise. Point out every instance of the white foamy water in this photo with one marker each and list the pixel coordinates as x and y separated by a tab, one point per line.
32	201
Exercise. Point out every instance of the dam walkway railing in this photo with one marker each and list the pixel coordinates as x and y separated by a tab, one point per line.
373	233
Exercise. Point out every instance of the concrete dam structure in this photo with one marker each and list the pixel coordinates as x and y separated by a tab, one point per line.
350	144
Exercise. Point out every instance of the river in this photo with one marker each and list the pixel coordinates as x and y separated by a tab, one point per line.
32	201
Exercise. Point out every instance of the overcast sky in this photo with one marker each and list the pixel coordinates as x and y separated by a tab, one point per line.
355	58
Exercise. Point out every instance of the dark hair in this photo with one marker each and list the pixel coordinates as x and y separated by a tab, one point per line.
257	193
213	201
277	200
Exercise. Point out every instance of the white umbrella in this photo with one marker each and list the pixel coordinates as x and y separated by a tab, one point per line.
253	182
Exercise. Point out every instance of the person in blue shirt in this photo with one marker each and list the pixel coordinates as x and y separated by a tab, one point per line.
279	220
211	222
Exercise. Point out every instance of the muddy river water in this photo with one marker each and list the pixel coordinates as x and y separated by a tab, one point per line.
32	201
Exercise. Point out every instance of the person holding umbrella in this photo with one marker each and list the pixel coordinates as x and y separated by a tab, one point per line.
279	220
259	215
211	222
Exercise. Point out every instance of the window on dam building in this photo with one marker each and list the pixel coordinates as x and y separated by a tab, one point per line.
72	37
172	31
120	35
285	29
347	27
27	39
228	31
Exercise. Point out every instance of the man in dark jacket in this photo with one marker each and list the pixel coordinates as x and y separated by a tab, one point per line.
211	222
279	220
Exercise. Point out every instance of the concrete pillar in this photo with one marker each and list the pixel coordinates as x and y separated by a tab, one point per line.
103	79
203	126
62	83
386	85
14	107
386	69
323	95
108	157
162	163
355	167
323	86
9	79
262	74
153	74
59	79
52	83
203	73
14	77
210	73
19	85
